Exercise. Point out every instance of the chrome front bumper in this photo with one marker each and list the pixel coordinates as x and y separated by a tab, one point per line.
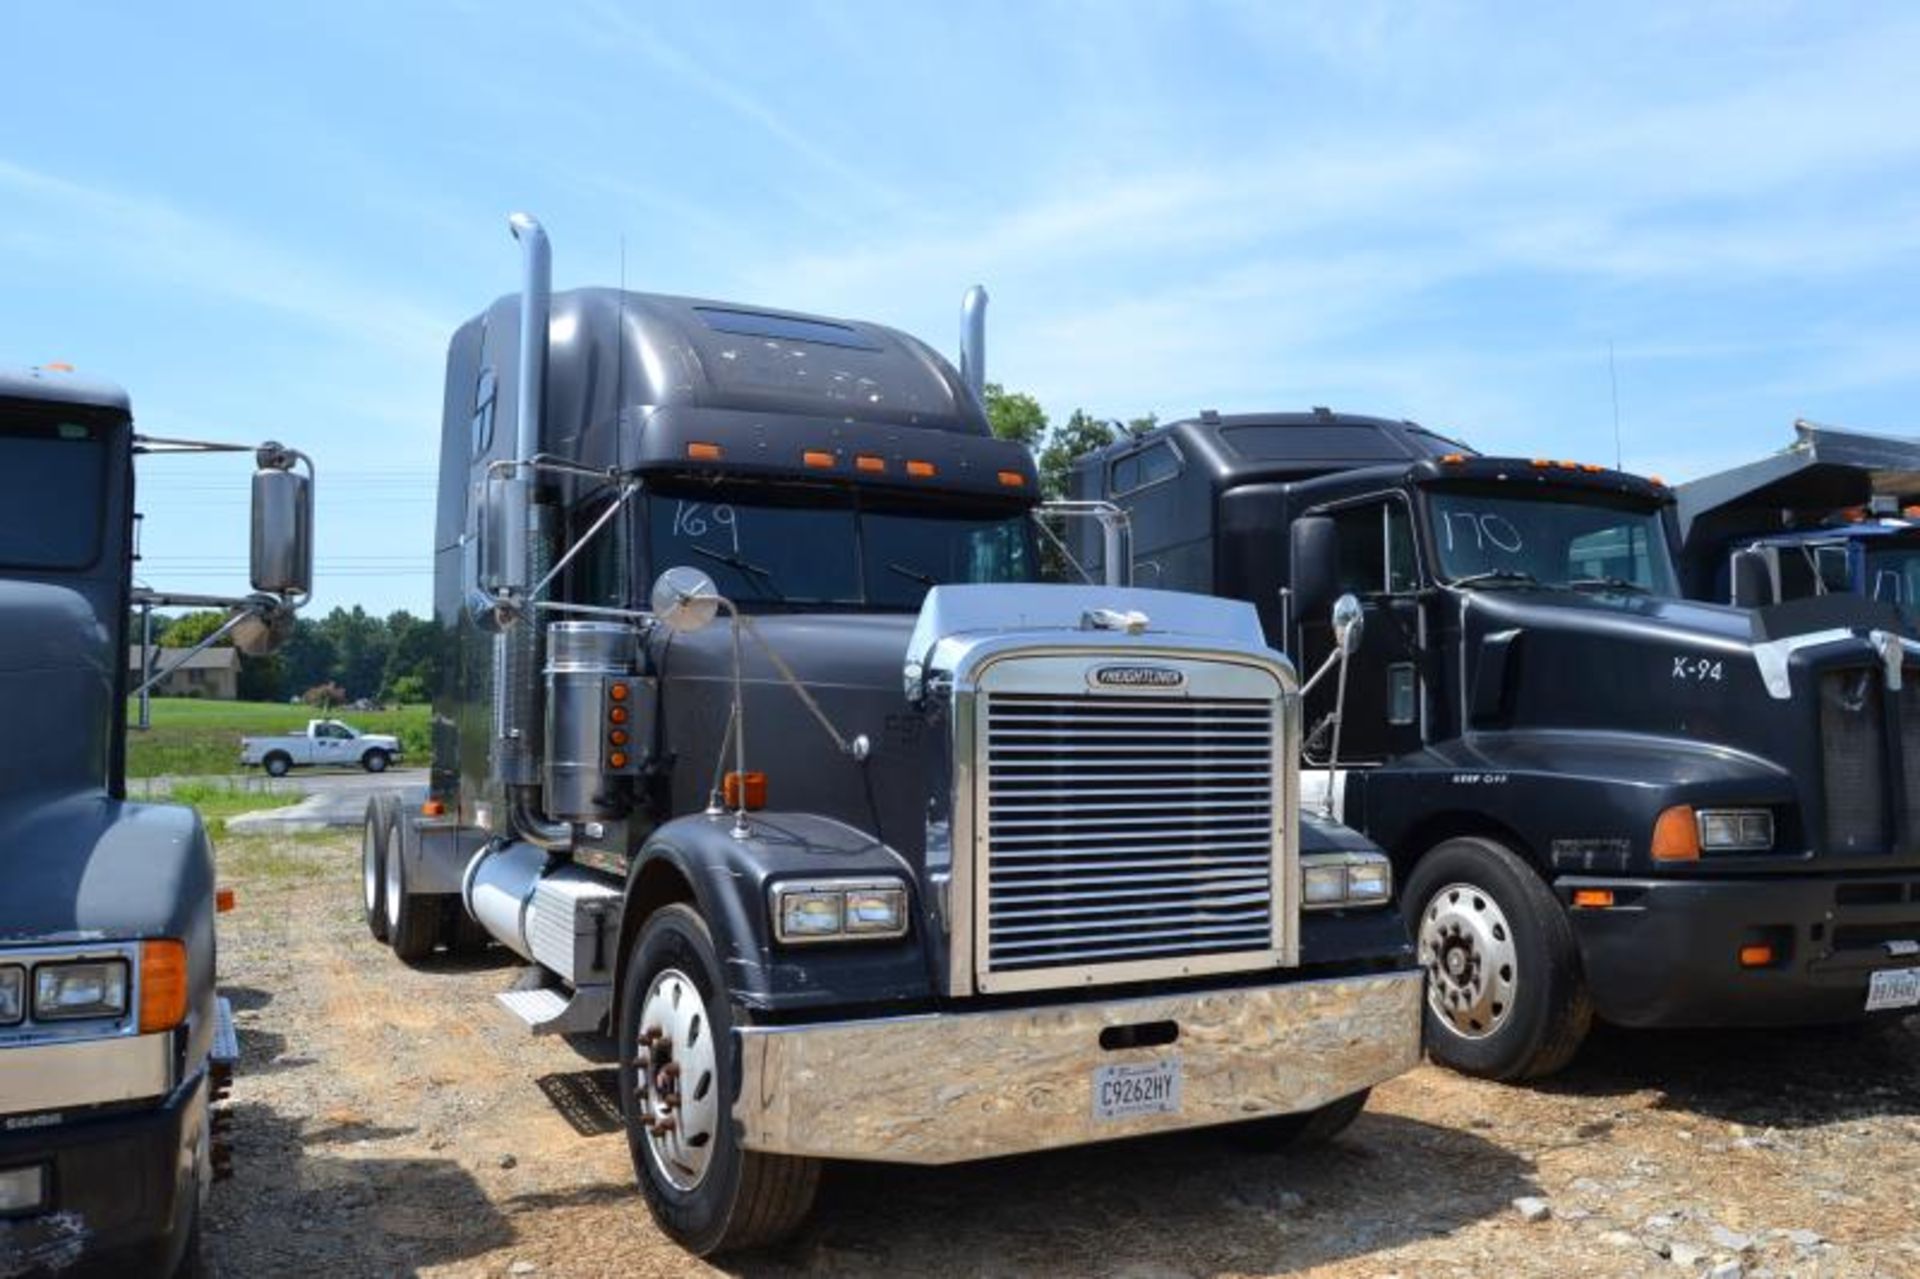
943	1088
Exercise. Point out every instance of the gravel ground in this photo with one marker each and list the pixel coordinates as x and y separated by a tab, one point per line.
387	1122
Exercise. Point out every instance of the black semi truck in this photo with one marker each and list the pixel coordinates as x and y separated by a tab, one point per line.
1601	798
114	1046
760	743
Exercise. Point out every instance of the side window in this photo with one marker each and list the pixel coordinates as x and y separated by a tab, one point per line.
1376	549
1158	461
484	393
1796	573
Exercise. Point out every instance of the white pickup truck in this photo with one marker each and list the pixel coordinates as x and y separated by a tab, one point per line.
326	741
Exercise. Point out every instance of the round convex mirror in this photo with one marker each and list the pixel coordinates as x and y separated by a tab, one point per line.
685	599
1348	623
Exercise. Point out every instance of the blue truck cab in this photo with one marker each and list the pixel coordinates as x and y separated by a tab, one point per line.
114	1044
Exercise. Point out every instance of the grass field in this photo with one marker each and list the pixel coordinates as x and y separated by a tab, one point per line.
194	737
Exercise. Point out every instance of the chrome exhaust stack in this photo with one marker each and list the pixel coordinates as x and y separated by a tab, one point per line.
973	341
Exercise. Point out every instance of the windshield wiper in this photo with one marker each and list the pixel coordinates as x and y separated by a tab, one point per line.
1496	575
745	567
1609	584
908	571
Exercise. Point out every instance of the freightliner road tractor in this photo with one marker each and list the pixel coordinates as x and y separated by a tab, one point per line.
760	743
1600	798
114	1047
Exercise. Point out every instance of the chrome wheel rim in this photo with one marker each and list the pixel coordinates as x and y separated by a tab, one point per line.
678	1081
1466	946
393	888
369	869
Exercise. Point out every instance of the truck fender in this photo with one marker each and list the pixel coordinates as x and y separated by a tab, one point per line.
698	859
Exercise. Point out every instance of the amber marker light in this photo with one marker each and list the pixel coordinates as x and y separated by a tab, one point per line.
1541	464
817	459
704	452
618	737
1676	835
618	714
618	692
163	985
1453	459
1013	479
1592	468
1592	898
921	470
223	900
752	785
433	808
1756	956
618	759
869	463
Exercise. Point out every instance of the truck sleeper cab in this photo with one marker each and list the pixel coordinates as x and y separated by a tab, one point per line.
1601	799
862	844
114	1045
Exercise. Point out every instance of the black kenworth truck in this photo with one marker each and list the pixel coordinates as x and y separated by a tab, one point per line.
114	1046
905	857
1601	799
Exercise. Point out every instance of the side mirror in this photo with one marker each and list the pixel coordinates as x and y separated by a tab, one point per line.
1752	579
502	522
1316	558
685	599
282	541
1349	624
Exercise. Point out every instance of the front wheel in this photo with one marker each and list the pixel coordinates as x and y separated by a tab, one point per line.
1505	995
277	764
375	761
676	1056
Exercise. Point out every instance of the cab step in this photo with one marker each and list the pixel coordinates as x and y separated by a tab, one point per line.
547	1011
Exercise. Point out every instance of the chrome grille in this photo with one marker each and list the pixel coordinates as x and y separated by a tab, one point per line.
1123	827
1853	761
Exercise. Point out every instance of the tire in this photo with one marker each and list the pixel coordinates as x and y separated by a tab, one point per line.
375	836
1308	1130
193	1258
704	1190
1505	995
375	761
463	932
413	919
277	764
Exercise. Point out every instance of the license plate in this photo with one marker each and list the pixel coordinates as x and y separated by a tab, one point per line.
1152	1088
1893	988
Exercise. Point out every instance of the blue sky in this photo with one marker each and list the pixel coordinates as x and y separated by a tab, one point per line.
267	219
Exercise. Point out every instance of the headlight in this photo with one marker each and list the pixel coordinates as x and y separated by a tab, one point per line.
839	910
1729	830
13	994
1337	881
68	992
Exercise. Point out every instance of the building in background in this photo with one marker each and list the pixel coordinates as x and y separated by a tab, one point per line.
211	673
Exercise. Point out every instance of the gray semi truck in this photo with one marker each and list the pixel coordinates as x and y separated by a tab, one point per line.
759	742
1602	799
114	1046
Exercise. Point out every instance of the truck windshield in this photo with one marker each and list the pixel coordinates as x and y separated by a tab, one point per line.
837	552
1893	574
1567	539
51	480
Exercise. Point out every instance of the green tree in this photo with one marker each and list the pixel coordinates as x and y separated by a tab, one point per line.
1016	416
360	645
1138	426
413	655
1080	433
189	629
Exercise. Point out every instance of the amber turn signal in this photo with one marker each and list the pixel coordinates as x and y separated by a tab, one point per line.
1592	898
1676	835
163	985
755	789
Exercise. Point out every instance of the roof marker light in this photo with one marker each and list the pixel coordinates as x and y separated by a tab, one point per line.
818	458
704	452
870	462
1541	463
1592	468
1452	459
1013	479
921	470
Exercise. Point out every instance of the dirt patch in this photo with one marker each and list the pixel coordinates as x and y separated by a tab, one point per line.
388	1122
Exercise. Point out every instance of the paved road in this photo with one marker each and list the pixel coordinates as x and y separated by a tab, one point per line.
317	800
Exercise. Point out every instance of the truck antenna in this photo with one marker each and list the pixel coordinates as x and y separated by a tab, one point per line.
1613	380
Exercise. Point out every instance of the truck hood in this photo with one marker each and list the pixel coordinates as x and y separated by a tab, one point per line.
81	866
56	682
